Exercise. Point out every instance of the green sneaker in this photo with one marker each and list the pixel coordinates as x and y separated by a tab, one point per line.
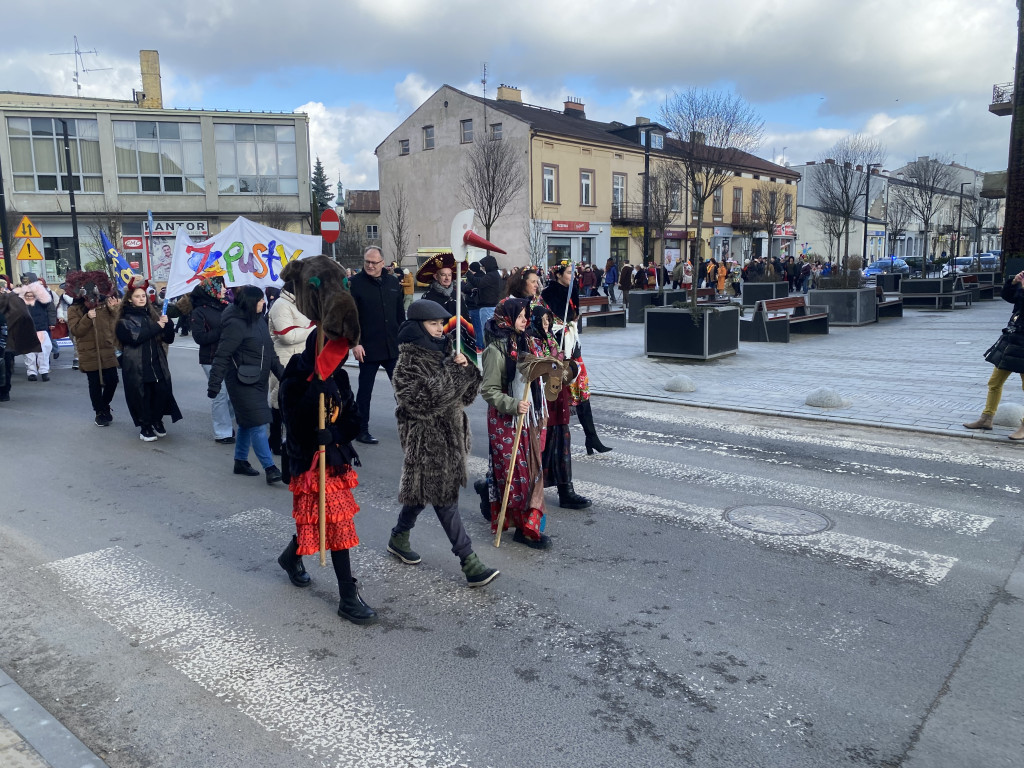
398	545
478	574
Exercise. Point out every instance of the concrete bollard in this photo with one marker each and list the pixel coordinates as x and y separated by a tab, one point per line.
1009	415
825	397
680	383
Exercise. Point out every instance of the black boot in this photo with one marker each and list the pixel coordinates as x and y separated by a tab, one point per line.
352	606
569	499
586	417
292	564
480	486
241	467
273	474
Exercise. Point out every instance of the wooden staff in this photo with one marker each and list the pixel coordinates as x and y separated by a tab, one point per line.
511	467
322	468
458	307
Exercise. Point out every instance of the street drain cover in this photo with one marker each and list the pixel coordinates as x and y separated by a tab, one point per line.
782	521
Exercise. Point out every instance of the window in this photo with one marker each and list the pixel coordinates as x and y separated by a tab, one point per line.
549	184
586	187
737	201
620	249
403	146
657	141
618	194
773	204
371	231
256	159
698	191
467	131
495	131
428	137
755	204
675	198
789	207
37	154
153	156
716	203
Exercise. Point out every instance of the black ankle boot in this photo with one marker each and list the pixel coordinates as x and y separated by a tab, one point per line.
586	417
245	468
273	474
569	499
292	564
352	606
480	486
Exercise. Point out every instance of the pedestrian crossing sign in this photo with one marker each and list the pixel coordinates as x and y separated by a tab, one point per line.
26	229
29	252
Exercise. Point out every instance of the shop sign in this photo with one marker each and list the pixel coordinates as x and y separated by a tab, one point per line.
620	232
723	232
570	226
131	243
785	230
170	227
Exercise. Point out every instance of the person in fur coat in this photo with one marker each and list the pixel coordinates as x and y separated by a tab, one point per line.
288	329
433	385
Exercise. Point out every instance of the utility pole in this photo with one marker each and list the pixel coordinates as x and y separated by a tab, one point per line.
5	236
71	191
647	196
867	203
1013	225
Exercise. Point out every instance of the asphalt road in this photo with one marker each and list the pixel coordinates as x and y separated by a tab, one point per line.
143	605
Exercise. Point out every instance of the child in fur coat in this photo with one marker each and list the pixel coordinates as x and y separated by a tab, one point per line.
433	386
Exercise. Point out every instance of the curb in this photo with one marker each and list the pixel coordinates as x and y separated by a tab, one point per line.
54	743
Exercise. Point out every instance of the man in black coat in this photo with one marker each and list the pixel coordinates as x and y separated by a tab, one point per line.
378	297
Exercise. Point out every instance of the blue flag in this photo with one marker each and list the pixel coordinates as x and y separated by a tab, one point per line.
122	270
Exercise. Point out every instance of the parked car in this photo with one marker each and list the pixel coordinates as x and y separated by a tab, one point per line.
885	266
982	262
915	265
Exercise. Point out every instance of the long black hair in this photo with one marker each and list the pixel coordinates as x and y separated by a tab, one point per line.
247	298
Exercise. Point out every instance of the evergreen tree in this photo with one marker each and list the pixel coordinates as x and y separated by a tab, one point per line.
321	188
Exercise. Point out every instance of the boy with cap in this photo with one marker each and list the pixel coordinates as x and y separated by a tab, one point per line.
433	386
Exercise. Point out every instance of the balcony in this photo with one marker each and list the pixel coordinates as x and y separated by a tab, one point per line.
744	221
1002	100
627	213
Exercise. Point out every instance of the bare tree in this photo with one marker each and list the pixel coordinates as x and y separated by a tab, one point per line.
839	181
664	203
897	218
536	241
924	191
773	211
981	212
833	227
494	174
109	219
269	211
396	219
714	129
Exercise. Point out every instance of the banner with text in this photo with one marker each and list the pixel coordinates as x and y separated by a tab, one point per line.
246	253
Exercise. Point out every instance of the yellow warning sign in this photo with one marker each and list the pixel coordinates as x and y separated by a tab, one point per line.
27	229
29	251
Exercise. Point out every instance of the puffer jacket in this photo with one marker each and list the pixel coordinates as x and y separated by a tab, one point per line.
206	319
288	329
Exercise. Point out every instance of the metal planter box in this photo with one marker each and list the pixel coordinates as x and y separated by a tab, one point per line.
755	292
670	332
847	306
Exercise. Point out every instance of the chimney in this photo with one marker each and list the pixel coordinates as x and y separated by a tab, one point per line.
847	166
696	137
810	162
642	121
830	161
151	96
510	93
573	106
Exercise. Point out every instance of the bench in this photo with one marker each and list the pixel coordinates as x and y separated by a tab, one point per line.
890	307
979	291
938	300
596	310
775	319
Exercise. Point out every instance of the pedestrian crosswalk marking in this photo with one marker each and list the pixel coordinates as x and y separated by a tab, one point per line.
832	441
841	502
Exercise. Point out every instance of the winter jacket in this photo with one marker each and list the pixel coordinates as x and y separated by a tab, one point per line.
488	284
245	342
626	277
432	390
144	361
96	338
1008	351
555	295
611	276
381	312
288	329
207	315
448	302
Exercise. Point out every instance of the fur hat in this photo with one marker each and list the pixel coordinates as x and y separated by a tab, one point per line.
425	309
92	287
436	262
320	295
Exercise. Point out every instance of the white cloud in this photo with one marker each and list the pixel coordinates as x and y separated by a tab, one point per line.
344	138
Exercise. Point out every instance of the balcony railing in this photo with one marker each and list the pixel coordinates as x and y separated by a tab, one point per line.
1002	99
627	213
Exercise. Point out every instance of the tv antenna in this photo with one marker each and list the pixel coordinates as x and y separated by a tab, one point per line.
483	78
80	67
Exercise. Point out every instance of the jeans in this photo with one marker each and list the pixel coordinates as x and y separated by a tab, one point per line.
257	438
223	413
367	376
486	313
102	385
995	389
451	521
478	328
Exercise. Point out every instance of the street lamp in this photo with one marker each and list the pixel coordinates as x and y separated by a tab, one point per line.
960	221
867	201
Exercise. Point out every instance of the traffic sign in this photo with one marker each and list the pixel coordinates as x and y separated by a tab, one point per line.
29	251
26	229
330	225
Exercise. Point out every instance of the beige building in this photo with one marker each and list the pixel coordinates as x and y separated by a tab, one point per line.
582	199
361	224
195	169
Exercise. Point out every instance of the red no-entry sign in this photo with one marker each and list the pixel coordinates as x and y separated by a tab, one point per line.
330	225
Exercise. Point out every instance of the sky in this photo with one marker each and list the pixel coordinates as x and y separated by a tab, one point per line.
915	74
